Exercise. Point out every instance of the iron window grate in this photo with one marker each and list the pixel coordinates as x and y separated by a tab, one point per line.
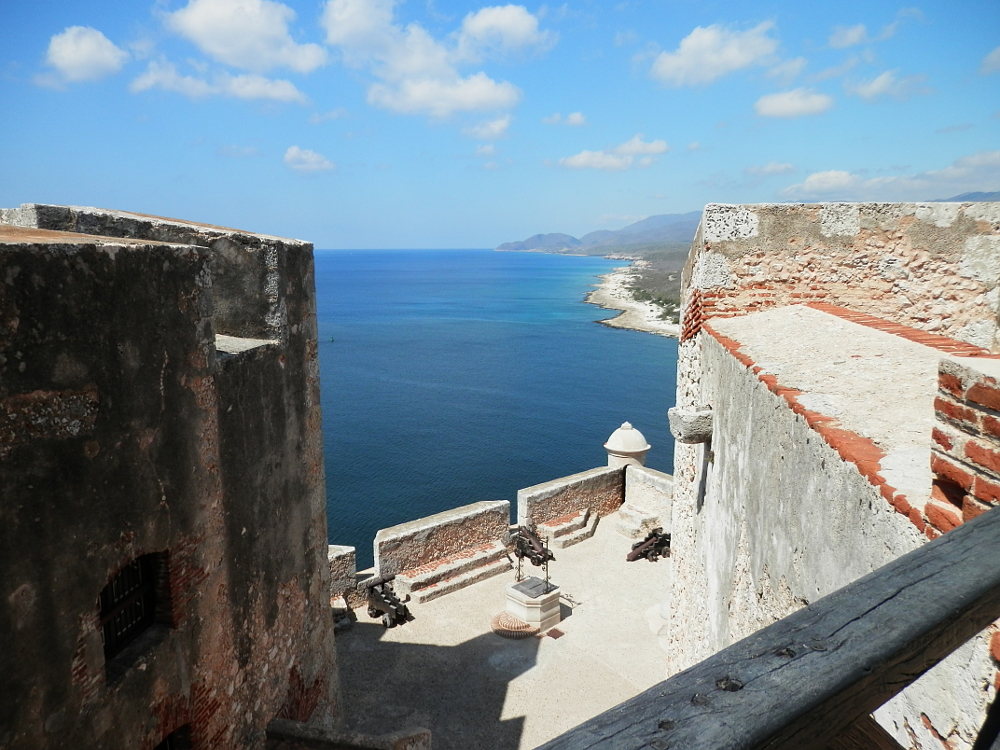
128	604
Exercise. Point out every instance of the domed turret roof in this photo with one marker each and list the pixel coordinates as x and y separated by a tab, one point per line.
626	439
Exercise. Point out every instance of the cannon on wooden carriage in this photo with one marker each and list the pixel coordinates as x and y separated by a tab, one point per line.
655	545
383	602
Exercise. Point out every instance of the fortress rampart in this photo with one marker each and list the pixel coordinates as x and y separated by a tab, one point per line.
814	336
160	452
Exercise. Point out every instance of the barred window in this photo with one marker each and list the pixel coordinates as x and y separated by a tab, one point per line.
129	603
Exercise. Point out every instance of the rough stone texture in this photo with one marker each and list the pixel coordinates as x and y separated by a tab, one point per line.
791	498
248	270
652	491
601	491
930	266
690	425
122	432
343	569
426	540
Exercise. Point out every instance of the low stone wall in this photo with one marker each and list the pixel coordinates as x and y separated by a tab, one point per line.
427	540
602	491
343	569
650	490
932	266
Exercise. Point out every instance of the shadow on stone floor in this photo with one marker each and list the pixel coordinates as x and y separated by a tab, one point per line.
457	692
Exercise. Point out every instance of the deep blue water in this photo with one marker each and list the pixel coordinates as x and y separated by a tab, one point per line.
456	376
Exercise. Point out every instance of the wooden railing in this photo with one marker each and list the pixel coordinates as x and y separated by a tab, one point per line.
814	677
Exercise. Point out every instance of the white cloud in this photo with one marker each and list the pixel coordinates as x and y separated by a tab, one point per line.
620	157
887	84
835	71
499	30
789	70
248	34
597	160
694	146
441	98
334	114
82	53
979	171
161	74
794	103
573	119
991	63
848	36
304	160
635	146
489	130
417	73
624	38
772	167
487	150
709	52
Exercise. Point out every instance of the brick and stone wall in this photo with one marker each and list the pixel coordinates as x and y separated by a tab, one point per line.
126	430
425	541
601	491
931	266
966	450
783	505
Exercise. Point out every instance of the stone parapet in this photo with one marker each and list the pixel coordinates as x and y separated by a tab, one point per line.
601	491
343	569
426	541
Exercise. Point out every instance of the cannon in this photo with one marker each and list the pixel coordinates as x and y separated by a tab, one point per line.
528	545
382	601
652	547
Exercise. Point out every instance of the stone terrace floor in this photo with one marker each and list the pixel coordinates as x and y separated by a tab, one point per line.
447	671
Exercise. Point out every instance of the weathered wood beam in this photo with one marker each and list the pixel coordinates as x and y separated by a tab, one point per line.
802	681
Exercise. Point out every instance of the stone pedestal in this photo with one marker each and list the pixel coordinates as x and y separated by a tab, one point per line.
529	601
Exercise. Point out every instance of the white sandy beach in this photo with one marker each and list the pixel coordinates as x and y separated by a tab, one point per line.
613	293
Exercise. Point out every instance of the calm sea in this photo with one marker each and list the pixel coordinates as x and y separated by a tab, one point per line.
453	376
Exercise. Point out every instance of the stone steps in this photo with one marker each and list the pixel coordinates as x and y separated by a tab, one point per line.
571	529
446	586
452	573
635	522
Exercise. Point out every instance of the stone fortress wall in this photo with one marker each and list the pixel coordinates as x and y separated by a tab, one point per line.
159	407
826	344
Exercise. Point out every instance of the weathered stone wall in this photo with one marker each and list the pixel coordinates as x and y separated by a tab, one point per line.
426	540
601	491
651	490
932	266
772	512
249	271
122	432
775	518
343	569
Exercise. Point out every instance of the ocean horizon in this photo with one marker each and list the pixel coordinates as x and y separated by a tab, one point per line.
454	376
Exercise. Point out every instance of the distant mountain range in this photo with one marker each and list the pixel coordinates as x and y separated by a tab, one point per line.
656	230
970	198
651	234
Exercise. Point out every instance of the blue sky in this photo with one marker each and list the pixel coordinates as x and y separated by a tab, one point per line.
430	123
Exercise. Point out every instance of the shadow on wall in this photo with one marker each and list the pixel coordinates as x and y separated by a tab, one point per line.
395	686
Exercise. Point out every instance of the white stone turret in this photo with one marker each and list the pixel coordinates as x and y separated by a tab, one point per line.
626	446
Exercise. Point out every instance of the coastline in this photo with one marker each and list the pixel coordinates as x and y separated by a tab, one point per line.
613	294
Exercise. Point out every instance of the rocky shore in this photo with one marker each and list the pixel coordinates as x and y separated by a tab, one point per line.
614	293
